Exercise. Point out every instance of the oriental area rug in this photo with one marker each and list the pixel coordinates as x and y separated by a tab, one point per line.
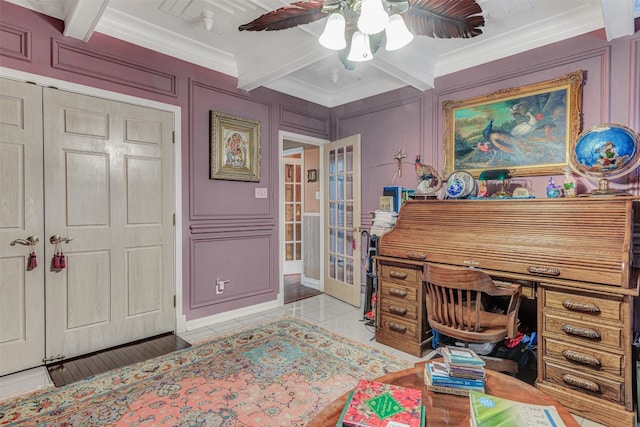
281	373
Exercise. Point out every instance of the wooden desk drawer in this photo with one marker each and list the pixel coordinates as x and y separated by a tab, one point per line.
585	306
394	308
398	291
583	382
593	333
583	357
403	275
399	328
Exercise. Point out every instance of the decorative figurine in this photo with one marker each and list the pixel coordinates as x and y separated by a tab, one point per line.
569	183
553	190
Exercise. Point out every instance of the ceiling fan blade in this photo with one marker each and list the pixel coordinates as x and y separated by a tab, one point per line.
298	13
445	18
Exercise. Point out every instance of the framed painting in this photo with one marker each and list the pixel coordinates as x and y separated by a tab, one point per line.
529	130
235	148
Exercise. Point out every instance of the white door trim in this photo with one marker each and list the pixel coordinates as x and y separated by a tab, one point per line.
303	139
180	324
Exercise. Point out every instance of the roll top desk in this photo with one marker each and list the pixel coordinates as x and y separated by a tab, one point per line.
578	255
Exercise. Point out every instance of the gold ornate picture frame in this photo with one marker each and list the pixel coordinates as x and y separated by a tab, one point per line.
235	148
530	130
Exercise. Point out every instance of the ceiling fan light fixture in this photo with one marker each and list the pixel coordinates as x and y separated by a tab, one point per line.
360	48
398	35
333	35
373	17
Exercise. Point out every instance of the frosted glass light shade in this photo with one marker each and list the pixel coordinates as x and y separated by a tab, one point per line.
360	48
373	18
333	35
398	35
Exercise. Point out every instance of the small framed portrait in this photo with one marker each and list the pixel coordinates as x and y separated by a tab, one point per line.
235	148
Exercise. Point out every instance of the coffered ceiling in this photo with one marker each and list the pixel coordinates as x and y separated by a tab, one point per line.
293	62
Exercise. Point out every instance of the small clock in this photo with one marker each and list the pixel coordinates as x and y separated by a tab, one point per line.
460	184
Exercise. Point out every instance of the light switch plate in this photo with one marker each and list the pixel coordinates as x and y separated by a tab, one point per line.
261	193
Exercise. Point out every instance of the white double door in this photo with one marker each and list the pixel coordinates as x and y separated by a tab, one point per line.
99	175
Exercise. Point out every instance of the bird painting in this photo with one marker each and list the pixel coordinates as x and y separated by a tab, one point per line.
495	141
442	19
525	128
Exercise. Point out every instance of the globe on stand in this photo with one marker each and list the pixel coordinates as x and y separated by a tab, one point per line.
606	152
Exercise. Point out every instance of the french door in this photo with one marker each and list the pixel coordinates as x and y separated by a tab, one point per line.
342	261
293	208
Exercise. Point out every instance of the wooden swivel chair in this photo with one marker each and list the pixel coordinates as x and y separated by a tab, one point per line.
455	299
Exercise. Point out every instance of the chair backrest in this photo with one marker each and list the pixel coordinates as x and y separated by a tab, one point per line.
456	300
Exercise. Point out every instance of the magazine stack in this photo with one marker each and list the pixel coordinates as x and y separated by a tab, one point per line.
462	370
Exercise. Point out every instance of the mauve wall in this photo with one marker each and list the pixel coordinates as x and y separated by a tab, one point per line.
414	120
227	232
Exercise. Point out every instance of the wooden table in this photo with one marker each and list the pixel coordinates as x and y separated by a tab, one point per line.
447	409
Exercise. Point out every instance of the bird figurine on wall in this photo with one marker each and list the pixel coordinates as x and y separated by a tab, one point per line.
494	140
441	19
429	178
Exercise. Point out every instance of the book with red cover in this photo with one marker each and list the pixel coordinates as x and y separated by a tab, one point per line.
375	404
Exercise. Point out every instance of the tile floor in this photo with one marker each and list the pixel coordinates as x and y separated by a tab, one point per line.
328	313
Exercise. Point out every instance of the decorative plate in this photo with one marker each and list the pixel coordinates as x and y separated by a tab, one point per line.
606	151
460	184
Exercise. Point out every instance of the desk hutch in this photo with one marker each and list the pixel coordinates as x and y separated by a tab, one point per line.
574	255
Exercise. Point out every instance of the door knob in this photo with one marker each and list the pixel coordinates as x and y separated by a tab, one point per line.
29	241
57	239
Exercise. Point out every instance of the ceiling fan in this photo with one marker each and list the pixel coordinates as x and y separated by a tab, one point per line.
431	18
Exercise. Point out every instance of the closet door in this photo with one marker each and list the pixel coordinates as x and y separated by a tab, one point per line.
109	200
21	206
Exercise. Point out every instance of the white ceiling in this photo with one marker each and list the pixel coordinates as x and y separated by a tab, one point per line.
293	62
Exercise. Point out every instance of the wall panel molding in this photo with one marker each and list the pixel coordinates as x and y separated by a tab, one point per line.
87	62
302	120
380	108
219	253
252	210
634	85
232	226
16	42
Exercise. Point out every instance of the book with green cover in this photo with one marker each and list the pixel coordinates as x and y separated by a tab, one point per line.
492	411
374	404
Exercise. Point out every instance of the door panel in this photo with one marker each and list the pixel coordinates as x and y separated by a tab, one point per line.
109	187
21	206
342	269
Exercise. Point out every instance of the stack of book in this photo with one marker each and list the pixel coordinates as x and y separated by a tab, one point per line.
461	371
375	404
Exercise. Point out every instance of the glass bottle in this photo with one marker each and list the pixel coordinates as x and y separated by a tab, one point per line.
569	183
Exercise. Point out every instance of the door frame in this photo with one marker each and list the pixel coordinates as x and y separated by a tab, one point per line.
180	320
308	140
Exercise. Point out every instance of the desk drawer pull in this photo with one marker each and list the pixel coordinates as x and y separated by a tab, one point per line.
582	383
416	255
397	292
400	311
398	274
581	332
397	328
578	306
585	359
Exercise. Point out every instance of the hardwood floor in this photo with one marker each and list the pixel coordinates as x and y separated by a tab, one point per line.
295	291
75	369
